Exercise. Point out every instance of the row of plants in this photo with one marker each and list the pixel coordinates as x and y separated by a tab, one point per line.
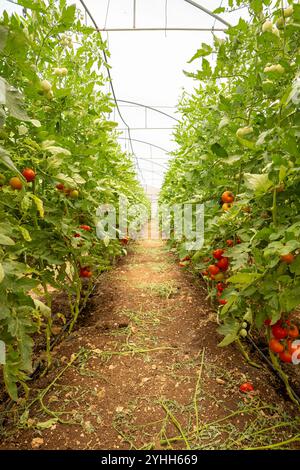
59	161
238	154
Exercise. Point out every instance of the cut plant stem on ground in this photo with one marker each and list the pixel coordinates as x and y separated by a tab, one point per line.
144	371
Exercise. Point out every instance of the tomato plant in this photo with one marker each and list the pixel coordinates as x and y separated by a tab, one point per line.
60	156
240	130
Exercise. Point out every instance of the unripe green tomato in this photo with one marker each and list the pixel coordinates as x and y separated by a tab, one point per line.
74	194
288	11
244	131
267	26
243	333
45	85
244	324
2	179
280	23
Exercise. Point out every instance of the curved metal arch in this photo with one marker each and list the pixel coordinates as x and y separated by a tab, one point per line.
149	107
153	162
208	12
144	142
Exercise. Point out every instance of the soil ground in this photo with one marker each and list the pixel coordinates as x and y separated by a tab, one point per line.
145	371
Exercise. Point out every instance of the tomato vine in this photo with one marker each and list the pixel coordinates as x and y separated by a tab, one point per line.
59	160
239	136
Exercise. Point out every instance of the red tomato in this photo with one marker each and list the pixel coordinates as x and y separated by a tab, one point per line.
217	254
293	331
278	331
60	187
204	273
220	286
229	242
223	264
124	241
186	258
87	228
222	301
16	183
85	272
77	235
268	321
226	206
276	346
227	196
238	241
285	356
213	269
246	387
288	259
28	174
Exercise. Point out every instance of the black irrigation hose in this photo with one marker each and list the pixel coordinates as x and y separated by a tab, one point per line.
267	360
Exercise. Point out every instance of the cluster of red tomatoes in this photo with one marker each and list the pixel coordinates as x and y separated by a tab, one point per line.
85	272
227	199
73	193
16	183
284	334
217	271
86	228
184	261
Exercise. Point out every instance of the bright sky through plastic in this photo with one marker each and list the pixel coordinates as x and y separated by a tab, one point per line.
147	67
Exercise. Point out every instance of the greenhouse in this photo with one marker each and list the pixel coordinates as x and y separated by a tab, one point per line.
150	228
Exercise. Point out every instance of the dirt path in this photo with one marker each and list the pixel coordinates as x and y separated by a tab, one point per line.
145	368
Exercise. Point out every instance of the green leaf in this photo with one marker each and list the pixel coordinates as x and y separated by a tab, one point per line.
46	424
45	310
39	205
25	233
219	150
246	143
243	278
13	101
204	51
1	273
295	266
32	5
259	183
54	149
4	240
3	36
230	329
7	161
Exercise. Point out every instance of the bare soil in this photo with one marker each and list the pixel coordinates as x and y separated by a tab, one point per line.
144	371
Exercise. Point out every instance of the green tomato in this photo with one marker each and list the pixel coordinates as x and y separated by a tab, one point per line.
2	179
243	333
74	194
244	324
288	11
